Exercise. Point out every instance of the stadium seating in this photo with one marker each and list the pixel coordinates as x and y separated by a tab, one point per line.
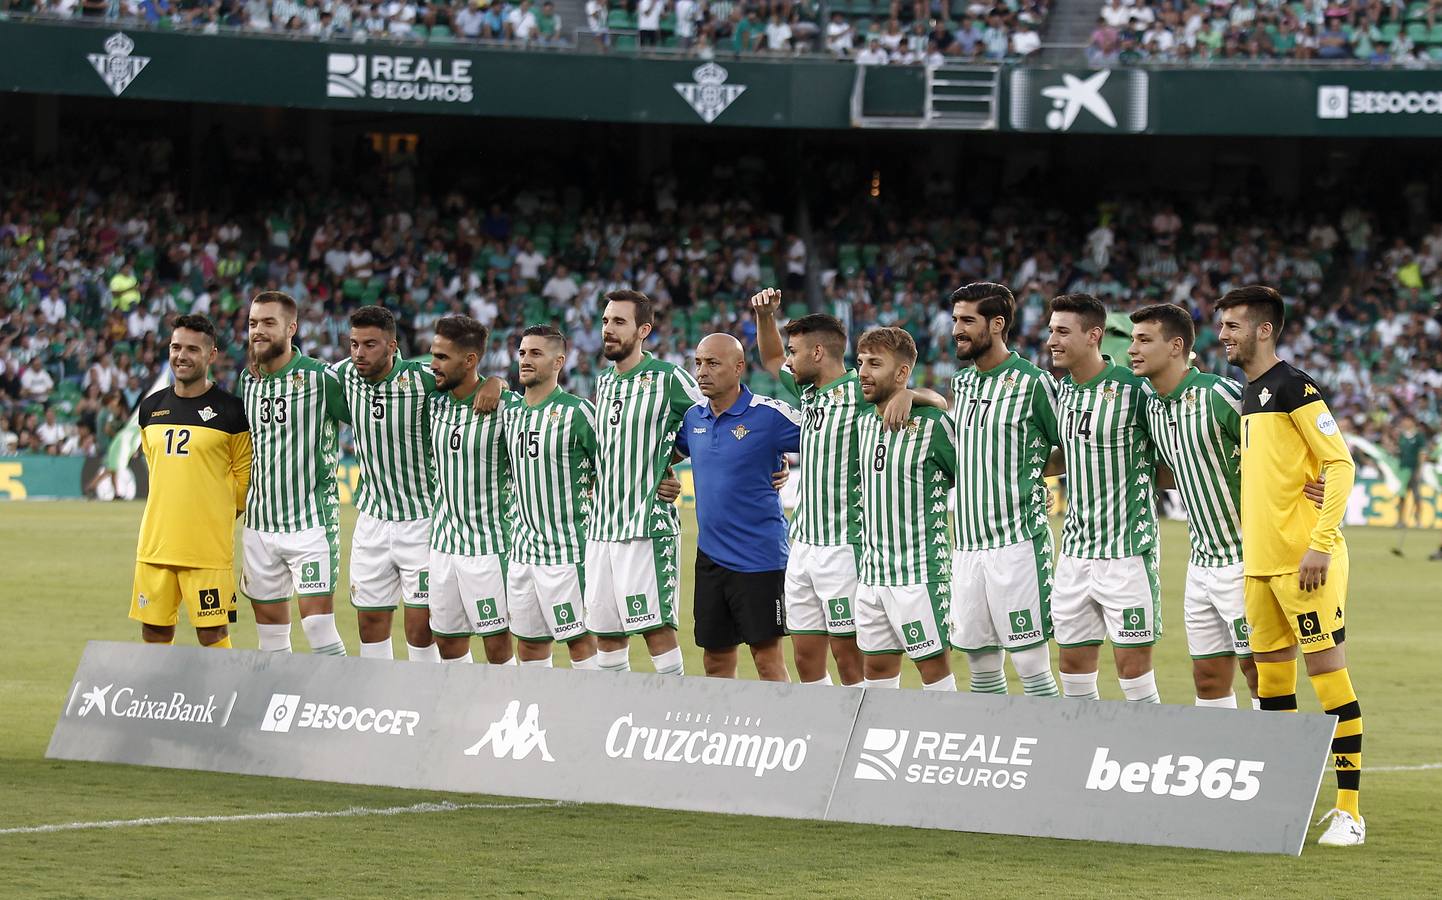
1162	31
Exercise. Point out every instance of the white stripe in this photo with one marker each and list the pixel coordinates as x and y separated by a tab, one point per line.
443	806
1436	765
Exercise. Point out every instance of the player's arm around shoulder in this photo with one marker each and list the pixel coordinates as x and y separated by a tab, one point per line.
241	451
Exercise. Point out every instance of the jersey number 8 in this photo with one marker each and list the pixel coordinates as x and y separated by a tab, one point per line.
878	462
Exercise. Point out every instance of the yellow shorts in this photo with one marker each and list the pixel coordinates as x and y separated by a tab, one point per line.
208	594
1281	614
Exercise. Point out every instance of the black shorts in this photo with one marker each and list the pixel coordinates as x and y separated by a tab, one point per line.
734	608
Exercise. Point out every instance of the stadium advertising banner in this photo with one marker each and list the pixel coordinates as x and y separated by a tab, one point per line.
1132	773
420	78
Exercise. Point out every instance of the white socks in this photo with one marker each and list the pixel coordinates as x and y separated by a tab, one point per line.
987	676
669	663
321	634
823	680
941	684
1033	666
276	638
378	650
428	653
1256	703
460	660
1227	702
513	661
614	660
1079	686
1142	689
590	663
892	682
538	663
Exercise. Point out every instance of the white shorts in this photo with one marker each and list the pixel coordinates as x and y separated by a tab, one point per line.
390	560
546	602
468	595
821	590
1001	598
277	565
1107	599
631	585
910	619
1215	612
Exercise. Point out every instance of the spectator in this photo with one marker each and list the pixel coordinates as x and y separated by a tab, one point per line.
36	383
1026	41
648	21
839	35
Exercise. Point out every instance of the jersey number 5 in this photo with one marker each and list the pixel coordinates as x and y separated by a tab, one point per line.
378	409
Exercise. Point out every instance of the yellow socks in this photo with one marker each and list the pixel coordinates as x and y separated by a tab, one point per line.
1334	689
1277	685
222	644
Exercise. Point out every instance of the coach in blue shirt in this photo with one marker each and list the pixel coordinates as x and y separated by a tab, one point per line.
735	441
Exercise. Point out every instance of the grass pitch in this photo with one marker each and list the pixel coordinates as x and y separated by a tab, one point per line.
65	571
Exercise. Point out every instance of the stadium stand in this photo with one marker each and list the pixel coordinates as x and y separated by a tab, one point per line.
893	31
1130	32
96	253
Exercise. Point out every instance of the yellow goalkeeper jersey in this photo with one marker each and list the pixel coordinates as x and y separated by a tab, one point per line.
1288	438
198	452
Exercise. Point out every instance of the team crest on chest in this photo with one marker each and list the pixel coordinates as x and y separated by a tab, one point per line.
913	426
404	380
740	431
1109	393
838	393
297	380
645	379
1191	398
207	414
554	414
1264	396
1009	380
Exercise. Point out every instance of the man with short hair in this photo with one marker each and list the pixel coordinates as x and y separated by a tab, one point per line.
1004	412
632	535
905	583
550	438
291	539
197	447
1195	421
389	399
824	562
1295	558
1106	584
736	441
470	526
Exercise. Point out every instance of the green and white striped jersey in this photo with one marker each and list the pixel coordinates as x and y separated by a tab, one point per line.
392	439
637	415
293	415
1006	427
1110	463
1197	430
829	512
552	448
906	476
474	502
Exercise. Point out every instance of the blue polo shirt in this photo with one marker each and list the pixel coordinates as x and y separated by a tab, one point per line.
732	458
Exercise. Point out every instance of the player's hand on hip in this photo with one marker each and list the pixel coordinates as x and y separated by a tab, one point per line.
897	412
488	397
1313	571
766	302
669	488
1316	490
779	479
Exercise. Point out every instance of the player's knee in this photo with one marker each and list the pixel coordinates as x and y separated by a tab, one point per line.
453	647
418	634
1209	678
1133	664
498	648
209	636
157	634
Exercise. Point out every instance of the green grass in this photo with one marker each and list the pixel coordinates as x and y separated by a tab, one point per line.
66	579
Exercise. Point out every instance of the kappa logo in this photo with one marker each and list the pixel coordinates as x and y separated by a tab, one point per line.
881	752
117	67
709	94
510	736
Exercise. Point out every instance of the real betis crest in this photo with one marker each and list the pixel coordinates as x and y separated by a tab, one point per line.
117	67
709	94
297	380
1109	393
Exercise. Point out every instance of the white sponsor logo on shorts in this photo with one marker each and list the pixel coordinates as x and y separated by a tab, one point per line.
944	757
693	739
281	716
510	736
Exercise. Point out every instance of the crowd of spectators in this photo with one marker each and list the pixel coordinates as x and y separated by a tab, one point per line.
906	32
1394	32
97	254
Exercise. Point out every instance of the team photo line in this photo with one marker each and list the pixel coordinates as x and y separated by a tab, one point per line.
922	526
